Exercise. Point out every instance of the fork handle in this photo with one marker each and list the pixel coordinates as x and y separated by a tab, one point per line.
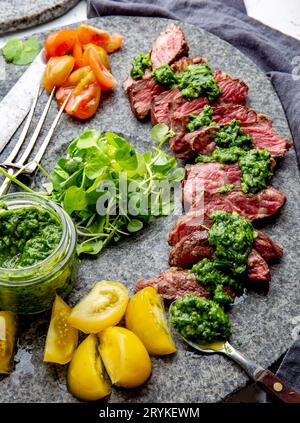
6	183
275	386
264	378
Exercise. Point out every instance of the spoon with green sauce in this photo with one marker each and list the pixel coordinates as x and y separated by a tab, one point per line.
197	317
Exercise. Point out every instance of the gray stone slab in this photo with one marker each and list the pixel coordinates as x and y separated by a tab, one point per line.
263	325
21	14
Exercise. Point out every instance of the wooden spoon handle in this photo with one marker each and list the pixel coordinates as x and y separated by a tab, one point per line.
275	386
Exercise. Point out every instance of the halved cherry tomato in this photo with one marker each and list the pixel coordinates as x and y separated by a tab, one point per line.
88	34
71	83
86	378
114	43
77	54
101	53
85	98
58	69
104	306
8	332
62	338
103	76
60	43
146	317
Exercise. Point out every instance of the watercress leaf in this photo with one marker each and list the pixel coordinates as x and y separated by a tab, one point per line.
90	247
163	166
159	132
127	158
12	49
75	199
148	156
30	49
88	139
116	140
178	174
135	225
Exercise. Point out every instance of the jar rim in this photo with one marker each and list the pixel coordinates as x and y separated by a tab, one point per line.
68	229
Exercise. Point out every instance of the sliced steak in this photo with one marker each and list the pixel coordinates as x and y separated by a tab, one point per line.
267	248
246	115
140	94
233	91
195	246
265	203
258	269
193	221
190	249
182	64
173	283
169	46
208	177
265	137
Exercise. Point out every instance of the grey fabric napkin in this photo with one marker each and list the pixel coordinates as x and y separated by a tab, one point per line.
278	55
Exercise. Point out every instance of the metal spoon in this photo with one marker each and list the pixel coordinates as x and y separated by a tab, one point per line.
266	379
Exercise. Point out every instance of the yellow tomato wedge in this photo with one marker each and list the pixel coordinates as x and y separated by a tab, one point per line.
8	333
146	317
104	306
86	379
62	338
125	358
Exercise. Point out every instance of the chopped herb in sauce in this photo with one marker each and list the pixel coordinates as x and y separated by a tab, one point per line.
27	236
201	120
214	278
232	237
197	80
222	155
256	168
231	135
199	319
226	188
139	64
164	75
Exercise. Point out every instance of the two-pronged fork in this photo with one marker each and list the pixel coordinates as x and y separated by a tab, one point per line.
13	167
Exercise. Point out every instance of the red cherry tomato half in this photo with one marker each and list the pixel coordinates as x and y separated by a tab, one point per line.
114	43
88	34
60	43
57	71
77	53
69	85
101	53
85	97
103	76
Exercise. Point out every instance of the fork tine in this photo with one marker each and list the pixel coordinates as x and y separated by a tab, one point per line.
31	168
23	134
37	130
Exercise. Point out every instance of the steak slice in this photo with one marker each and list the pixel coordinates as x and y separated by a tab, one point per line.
258	269
194	247
140	94
173	283
169	46
265	137
172	105
182	64
265	203
233	91
208	177
247	116
193	221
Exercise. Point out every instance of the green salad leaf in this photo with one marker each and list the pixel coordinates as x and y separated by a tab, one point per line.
21	52
109	188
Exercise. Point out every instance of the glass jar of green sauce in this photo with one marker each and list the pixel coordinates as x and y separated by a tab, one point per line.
40	259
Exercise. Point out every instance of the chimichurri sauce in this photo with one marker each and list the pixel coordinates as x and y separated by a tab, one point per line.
27	236
232	238
199	319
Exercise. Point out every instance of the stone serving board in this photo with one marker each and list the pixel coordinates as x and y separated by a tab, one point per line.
264	326
21	14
